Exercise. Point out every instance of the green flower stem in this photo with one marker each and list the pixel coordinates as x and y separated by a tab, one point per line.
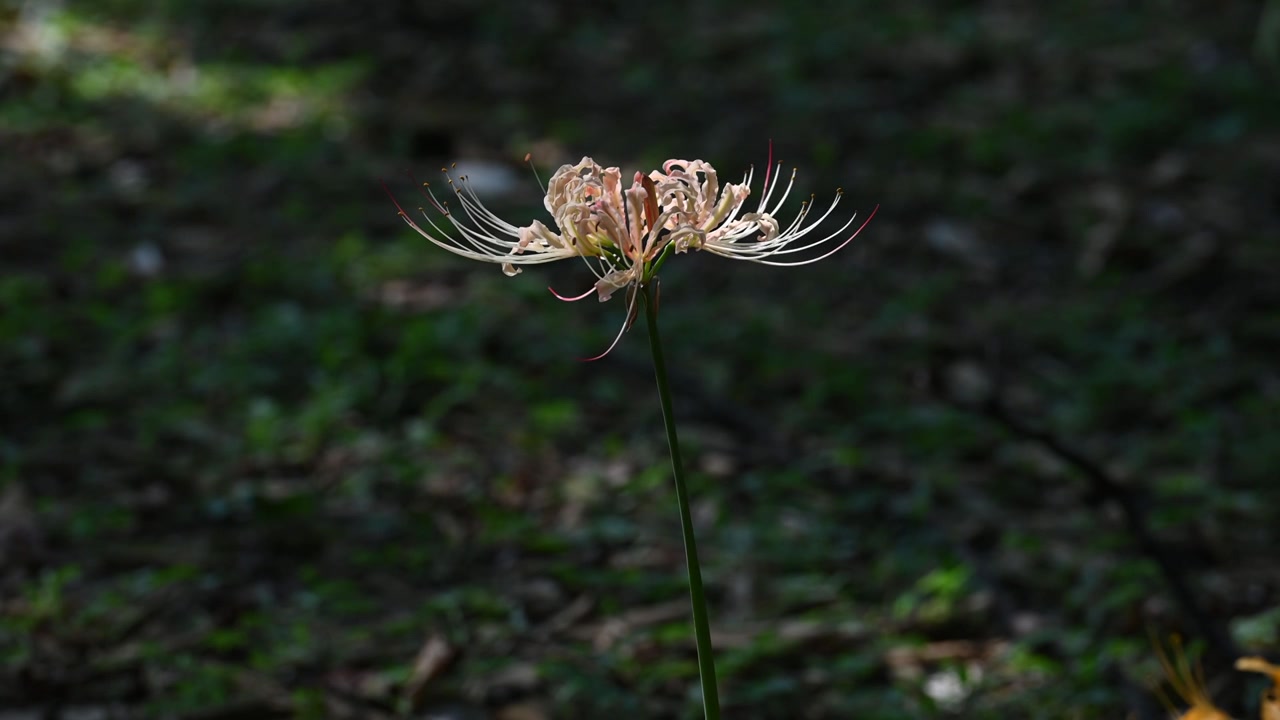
701	626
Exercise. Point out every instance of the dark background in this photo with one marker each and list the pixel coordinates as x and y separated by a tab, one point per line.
264	450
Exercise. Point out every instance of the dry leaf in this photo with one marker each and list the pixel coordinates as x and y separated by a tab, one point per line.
432	660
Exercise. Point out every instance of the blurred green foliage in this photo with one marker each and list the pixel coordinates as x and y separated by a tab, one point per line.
262	441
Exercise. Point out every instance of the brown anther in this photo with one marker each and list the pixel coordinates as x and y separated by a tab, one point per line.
454	166
426	184
528	157
444	169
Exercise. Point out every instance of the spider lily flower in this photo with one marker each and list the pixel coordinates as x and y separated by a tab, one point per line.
625	235
757	235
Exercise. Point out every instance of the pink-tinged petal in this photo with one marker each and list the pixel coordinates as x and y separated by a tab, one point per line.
613	282
572	299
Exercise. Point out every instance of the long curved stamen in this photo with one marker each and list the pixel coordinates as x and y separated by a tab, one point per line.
575	298
785	193
782	243
631	307
768	172
830	252
528	158
387	190
599	261
475	209
479	250
425	193
472	254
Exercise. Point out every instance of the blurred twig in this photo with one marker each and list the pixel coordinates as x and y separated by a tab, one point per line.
1106	486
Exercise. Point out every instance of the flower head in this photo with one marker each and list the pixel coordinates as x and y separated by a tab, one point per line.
624	235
